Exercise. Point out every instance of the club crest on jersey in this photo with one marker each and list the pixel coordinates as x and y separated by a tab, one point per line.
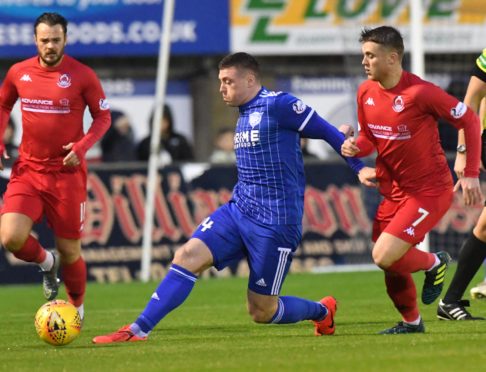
458	111
104	105
64	81
398	104
299	107
255	118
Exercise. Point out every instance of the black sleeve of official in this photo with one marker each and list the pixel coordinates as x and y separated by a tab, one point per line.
480	74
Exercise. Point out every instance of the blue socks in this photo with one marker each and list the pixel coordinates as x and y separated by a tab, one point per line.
293	309
177	285
170	293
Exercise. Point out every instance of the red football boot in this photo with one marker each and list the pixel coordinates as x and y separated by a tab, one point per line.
326	326
124	334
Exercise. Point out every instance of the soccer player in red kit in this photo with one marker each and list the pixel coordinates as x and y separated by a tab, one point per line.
49	177
397	114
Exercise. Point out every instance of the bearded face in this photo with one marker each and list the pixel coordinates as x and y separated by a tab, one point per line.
50	42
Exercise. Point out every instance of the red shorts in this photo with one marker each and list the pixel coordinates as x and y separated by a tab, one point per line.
411	218
60	196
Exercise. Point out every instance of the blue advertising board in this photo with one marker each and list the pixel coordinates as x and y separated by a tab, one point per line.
118	27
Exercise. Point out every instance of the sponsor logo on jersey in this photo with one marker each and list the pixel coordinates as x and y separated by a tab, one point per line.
246	138
64	102
299	107
380	127
255	118
401	132
370	102
25	77
37	101
458	111
104	105
64	81
45	106
398	104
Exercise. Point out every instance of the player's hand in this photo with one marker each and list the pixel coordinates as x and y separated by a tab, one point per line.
349	148
4	156
459	165
471	191
71	159
367	176
347	130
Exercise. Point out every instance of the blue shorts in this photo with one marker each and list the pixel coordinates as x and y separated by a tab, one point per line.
231	236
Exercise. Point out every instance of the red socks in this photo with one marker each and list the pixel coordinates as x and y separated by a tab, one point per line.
399	282
412	261
31	251
401	289
75	276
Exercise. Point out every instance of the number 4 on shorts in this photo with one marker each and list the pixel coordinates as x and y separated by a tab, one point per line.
206	224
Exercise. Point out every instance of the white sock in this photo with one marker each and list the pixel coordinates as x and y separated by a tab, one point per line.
81	311
46	265
135	328
414	322
437	261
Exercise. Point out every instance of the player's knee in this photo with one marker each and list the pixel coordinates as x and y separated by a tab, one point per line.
381	260
260	314
192	258
11	241
184	255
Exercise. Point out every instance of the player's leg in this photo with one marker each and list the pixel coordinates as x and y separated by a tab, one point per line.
414	218
215	242
22	207
190	260
290	309
406	224
64	200
270	251
471	257
388	254
74	272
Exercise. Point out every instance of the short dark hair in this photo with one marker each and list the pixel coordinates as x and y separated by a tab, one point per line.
241	60
387	36
51	19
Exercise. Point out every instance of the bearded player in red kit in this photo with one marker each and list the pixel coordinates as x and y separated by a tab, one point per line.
49	177
397	114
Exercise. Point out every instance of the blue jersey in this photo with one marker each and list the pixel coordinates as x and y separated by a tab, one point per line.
271	180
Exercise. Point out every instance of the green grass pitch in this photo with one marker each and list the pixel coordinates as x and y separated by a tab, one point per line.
212	331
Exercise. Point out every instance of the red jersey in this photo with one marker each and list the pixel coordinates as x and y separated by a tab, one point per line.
52	102
401	123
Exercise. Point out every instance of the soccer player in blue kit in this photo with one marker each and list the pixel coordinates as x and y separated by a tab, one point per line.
263	219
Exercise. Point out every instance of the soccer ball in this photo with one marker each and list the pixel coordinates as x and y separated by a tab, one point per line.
58	322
